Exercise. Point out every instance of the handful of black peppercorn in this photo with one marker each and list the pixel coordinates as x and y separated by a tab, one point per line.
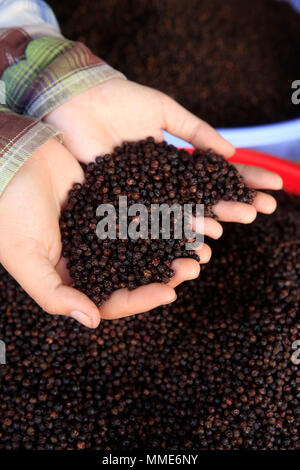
145	173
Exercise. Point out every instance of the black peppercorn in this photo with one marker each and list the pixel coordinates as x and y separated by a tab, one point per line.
230	62
211	371
192	183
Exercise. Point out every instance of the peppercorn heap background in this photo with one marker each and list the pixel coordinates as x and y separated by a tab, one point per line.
211	371
230	62
214	370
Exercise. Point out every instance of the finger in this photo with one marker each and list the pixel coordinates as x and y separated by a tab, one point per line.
124	303
264	203
41	281
211	228
181	123
229	211
185	269
204	253
259	178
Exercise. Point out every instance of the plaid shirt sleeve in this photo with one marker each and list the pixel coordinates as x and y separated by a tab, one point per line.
39	70
20	137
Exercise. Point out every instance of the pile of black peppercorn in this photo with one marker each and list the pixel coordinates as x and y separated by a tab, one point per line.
213	370
231	62
146	173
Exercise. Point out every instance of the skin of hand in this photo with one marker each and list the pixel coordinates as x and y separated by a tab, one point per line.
118	110
30	243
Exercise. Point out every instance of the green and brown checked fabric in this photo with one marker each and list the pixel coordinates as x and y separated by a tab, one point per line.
38	74
51	70
20	137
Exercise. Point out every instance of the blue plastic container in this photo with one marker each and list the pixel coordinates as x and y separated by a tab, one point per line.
281	139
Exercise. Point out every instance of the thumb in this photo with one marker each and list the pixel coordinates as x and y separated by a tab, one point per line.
181	123
42	282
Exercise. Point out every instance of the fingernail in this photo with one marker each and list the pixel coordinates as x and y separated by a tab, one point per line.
81	318
196	275
172	300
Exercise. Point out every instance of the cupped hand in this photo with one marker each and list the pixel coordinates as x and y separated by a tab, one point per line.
30	243
119	110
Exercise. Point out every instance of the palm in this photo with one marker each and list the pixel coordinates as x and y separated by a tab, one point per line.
119	110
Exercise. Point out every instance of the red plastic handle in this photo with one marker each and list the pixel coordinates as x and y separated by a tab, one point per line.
289	171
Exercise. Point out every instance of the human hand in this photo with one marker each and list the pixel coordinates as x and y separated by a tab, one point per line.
30	243
103	117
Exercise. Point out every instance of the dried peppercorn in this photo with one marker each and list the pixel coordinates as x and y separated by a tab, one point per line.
232	63
211	371
146	173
